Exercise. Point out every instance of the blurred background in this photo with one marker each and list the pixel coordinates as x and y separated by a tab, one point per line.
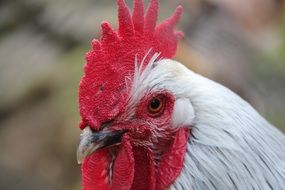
240	44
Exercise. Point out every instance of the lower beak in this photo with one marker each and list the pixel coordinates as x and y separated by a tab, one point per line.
91	141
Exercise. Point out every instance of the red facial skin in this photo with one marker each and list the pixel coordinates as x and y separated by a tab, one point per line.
135	166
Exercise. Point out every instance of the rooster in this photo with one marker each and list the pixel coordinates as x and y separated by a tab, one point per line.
149	123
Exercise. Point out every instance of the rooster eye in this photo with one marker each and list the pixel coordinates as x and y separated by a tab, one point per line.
155	105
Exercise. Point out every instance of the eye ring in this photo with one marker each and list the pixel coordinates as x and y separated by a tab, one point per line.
156	105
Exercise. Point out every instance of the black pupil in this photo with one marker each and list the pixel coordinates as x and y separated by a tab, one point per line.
155	103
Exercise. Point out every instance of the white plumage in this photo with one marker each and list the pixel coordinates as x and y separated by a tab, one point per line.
231	146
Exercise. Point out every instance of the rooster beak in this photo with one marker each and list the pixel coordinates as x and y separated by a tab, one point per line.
91	141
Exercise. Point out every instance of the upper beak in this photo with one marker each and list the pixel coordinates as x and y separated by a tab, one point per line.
91	141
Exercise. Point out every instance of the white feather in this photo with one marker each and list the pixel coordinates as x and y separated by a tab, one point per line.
231	146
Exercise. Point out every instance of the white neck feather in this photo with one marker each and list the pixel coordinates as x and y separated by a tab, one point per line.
231	145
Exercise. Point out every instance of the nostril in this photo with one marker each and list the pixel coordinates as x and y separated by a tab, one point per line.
106	124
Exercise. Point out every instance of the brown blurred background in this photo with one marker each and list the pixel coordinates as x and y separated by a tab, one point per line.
240	44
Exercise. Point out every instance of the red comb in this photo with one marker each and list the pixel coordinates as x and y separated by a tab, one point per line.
112	58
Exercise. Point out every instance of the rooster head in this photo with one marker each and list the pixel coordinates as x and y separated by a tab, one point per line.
134	136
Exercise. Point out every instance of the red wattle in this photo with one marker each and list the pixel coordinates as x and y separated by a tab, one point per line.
123	171
144	170
134	166
172	163
94	171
